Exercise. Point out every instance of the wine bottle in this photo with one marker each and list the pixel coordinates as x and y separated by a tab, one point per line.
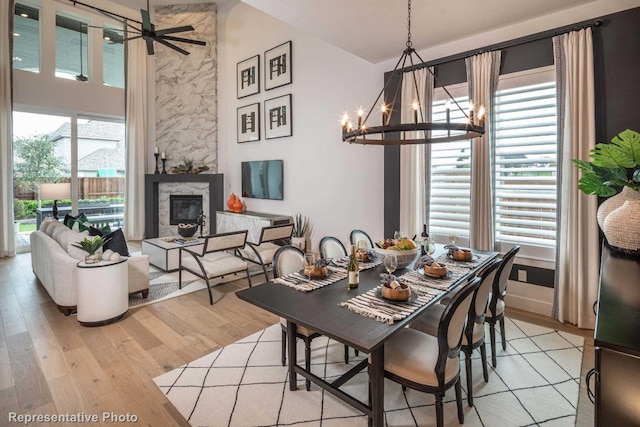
354	271
424	242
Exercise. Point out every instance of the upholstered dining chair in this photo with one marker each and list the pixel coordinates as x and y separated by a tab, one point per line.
286	260
428	363
357	235
495	309
331	247
214	258
473	336
261	253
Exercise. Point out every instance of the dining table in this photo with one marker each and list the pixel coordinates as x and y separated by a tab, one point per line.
326	310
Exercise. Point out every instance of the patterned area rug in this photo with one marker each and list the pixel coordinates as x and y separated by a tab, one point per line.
244	384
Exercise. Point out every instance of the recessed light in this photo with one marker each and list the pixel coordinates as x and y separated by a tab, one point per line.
17	59
24	15
107	38
16	34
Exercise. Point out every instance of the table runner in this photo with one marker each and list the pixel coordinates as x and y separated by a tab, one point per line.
375	307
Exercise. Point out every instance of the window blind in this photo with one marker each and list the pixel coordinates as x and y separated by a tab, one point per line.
525	165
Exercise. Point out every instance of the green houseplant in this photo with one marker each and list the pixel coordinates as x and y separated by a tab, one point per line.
91	246
300	228
614	166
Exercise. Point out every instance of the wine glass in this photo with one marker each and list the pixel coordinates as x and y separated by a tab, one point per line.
309	264
361	248
398	235
391	263
453	238
431	247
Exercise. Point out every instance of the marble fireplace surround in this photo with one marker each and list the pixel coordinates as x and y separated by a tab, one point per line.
156	186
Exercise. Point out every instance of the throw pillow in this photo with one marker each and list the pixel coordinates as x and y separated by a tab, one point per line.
117	242
46	223
68	218
79	224
73	237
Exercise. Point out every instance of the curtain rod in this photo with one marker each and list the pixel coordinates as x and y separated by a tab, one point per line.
511	43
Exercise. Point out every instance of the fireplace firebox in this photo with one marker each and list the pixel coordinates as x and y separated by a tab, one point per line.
184	209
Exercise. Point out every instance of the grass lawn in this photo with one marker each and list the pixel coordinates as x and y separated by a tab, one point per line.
27	227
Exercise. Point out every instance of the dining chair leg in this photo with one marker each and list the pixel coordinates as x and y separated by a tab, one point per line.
459	401
492	333
284	347
307	361
346	354
483	355
440	409
467	364
503	334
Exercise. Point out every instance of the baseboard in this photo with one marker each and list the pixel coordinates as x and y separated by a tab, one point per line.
527	297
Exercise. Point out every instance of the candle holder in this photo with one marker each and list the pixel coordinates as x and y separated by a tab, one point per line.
164	161
156	155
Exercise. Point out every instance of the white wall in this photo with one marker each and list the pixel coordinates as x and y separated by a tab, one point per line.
338	185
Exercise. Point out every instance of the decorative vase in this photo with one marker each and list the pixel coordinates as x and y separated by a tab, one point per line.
299	242
92	259
232	199
622	228
614	202
237	206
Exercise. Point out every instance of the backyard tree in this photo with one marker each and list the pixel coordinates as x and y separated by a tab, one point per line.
36	162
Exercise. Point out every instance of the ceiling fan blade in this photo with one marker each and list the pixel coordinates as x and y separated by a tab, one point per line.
146	21
149	46
180	39
174	30
172	46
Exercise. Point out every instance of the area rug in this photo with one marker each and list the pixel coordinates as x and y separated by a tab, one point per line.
244	384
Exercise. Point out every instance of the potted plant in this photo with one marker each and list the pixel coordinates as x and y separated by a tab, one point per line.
613	166
300	228
91	246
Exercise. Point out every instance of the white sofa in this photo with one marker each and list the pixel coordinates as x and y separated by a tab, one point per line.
54	261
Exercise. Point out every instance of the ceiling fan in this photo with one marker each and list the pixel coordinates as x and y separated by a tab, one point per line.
147	30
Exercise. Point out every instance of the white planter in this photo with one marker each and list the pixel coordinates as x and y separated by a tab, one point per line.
614	202
299	242
622	227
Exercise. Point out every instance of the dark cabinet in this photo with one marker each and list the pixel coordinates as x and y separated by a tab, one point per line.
617	342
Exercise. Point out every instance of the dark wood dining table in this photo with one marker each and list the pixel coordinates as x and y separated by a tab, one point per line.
320	310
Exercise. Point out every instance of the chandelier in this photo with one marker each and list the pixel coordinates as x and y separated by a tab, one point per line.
396	134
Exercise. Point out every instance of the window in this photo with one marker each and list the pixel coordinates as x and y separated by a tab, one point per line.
450	192
26	39
71	48
113	58
525	165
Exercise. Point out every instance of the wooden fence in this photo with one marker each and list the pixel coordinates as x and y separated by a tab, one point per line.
88	188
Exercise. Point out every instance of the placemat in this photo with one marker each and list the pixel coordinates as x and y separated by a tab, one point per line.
300	282
445	258
419	281
343	262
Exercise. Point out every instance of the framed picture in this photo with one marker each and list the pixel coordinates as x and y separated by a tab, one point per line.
249	123
277	66
277	117
248	78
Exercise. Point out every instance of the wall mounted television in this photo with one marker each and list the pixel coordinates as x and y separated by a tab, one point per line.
262	179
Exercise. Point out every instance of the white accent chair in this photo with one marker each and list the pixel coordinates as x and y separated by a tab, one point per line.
216	257
262	252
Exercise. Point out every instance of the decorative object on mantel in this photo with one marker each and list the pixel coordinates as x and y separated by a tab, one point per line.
156	155
163	157
616	165
231	201
200	221
300	228
91	246
394	134
237	206
187	167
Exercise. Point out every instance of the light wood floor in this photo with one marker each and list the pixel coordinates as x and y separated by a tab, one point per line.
49	364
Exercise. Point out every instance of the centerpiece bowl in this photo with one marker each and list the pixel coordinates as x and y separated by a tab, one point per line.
187	230
405	257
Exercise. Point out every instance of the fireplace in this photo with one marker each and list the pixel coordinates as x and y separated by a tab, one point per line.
184	208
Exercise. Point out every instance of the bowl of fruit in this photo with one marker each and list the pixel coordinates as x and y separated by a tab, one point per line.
187	230
405	250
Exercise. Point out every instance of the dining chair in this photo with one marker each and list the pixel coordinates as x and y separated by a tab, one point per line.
331	247
286	260
495	309
473	336
357	235
429	363
216	257
262	252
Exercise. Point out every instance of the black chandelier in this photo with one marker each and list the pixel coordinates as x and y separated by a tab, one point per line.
395	134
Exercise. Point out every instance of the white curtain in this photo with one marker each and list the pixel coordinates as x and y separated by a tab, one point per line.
577	261
414	158
7	239
482	74
136	117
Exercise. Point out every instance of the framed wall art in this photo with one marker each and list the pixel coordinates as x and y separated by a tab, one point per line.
277	66
249	123
248	76
277	117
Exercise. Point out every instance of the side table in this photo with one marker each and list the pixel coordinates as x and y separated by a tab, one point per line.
103	292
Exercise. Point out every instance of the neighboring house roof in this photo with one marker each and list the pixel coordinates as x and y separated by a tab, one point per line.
91	130
104	158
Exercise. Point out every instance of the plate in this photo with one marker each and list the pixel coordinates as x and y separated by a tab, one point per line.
301	272
446	276
474	257
412	298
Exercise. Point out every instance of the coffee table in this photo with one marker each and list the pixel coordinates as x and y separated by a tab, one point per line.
165	255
